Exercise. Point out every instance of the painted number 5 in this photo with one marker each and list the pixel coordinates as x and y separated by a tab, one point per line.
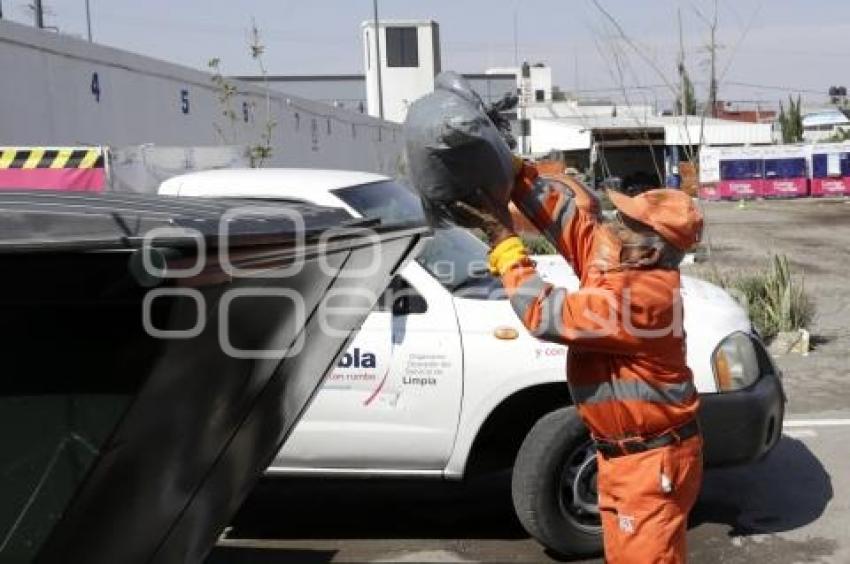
184	101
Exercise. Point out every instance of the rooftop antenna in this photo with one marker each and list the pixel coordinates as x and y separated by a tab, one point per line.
39	14
516	38
680	106
575	69
88	19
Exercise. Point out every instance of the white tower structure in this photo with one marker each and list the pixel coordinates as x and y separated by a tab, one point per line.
409	59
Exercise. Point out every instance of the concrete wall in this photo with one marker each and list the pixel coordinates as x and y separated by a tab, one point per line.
553	135
343	91
58	90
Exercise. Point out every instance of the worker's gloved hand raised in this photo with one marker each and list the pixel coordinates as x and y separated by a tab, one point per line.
481	212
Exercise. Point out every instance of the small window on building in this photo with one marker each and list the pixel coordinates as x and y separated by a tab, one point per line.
402	47
539	95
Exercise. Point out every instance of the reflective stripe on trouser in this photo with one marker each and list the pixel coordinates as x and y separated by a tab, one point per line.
644	500
676	393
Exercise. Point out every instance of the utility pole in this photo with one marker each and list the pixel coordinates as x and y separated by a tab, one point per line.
524	95
516	39
39	14
88	19
712	88
575	70
680	107
378	60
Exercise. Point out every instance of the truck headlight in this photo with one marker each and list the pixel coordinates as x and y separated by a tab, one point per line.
735	363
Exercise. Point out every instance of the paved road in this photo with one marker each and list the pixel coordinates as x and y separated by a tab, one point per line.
793	507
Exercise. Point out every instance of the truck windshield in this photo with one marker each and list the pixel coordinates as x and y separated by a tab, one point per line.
454	256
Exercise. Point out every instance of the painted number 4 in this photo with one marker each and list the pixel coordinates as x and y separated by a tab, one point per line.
95	86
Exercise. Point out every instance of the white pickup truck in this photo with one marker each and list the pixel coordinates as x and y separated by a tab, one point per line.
443	381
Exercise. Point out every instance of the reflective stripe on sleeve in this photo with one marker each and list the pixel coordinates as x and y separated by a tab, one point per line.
526	294
551	316
624	390
562	217
533	204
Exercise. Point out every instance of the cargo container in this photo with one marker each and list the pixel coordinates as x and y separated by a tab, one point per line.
741	178
830	166
709	173
731	173
785	172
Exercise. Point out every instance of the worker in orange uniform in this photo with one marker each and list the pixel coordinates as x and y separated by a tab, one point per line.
626	362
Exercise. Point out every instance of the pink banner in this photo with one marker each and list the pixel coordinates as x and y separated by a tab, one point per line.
71	179
825	187
709	192
786	188
741	189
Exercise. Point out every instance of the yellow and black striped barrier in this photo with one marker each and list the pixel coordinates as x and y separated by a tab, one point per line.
47	157
53	168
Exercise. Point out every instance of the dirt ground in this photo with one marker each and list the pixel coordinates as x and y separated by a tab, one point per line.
815	235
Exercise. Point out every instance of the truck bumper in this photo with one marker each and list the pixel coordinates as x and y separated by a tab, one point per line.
743	426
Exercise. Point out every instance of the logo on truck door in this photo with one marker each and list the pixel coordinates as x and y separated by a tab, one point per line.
357	359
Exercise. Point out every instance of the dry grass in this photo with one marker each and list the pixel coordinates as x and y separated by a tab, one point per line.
538	245
774	296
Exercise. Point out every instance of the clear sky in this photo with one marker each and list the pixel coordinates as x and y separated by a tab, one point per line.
768	47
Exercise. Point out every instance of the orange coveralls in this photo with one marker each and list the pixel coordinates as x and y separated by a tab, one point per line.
626	365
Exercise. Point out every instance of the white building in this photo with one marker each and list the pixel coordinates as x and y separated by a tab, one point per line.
409	60
580	133
533	82
635	148
823	124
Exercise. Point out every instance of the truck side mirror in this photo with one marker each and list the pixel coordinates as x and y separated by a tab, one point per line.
403	299
409	304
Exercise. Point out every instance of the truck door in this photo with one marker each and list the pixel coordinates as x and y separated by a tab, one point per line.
393	401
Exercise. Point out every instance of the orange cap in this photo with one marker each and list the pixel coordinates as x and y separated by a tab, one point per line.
670	213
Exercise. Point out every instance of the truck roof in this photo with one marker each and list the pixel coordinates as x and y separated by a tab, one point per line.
267	183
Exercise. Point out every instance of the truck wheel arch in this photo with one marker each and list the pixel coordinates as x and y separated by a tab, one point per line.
500	436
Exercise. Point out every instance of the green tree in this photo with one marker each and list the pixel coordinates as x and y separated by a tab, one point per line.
227	91
791	121
686	103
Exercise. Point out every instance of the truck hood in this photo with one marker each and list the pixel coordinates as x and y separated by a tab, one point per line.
711	314
703	300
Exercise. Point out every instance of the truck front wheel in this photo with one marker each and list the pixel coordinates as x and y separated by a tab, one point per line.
554	485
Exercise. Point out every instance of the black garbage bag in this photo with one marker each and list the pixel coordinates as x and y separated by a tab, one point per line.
454	151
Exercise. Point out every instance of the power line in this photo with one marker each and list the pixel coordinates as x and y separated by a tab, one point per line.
770	87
